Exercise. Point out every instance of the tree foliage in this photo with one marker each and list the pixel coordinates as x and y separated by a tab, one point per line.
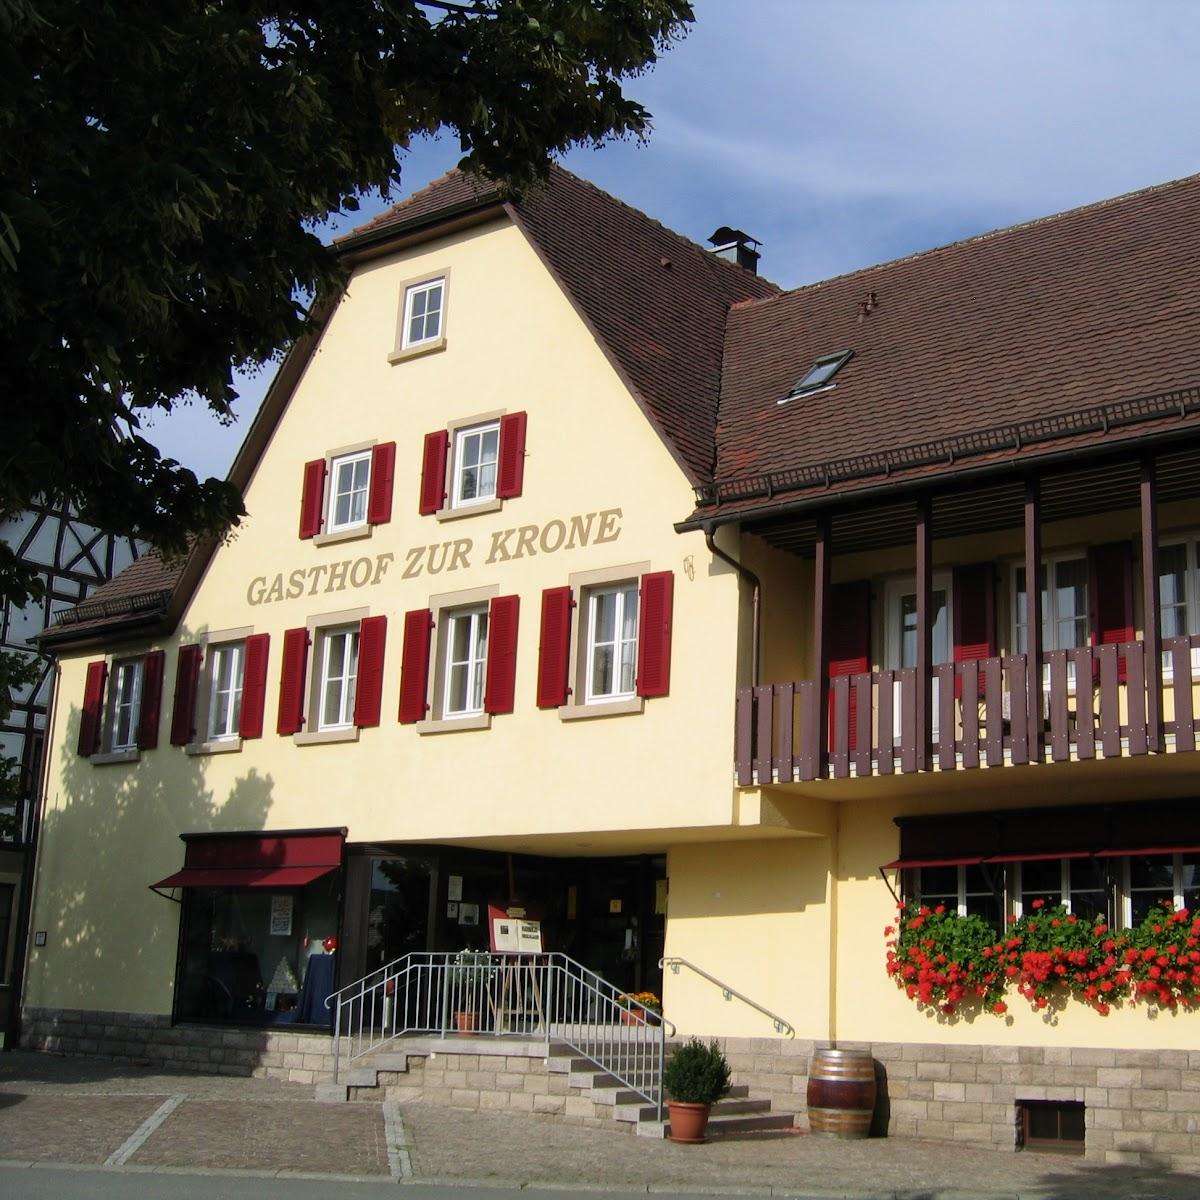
163	170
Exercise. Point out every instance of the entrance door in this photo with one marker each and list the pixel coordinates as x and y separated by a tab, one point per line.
622	928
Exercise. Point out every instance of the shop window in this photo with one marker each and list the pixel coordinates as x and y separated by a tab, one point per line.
618	653
348	492
331	682
258	955
1155	879
120	708
473	465
1053	1125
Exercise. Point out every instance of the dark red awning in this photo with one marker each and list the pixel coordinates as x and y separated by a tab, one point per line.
289	859
905	863
1149	851
1041	856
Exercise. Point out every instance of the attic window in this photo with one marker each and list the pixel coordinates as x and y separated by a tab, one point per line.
819	374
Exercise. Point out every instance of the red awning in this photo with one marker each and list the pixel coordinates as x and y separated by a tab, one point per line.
1046	856
1149	851
289	859
905	863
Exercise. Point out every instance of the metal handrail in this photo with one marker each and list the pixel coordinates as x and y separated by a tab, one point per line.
674	962
549	995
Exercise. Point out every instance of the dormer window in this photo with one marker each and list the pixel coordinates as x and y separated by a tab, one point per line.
819	374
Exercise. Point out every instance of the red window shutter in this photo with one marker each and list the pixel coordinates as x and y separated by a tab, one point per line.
187	677
511	469
849	643
291	681
254	685
1110	596
368	694
312	501
152	681
501	680
383	471
974	629
414	666
433	472
554	647
654	634
93	708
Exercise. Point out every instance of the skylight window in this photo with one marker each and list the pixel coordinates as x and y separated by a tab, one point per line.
819	374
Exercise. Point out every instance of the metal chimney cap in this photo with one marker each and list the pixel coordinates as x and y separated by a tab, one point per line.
726	234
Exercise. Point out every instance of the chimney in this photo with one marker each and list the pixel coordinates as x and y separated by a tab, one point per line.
736	246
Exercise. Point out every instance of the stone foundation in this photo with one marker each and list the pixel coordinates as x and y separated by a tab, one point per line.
153	1040
1141	1106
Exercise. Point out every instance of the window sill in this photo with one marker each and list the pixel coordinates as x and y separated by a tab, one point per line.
343	535
323	737
455	724
418	351
469	510
216	746
108	757
611	708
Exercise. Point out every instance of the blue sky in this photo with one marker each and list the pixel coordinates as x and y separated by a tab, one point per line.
845	134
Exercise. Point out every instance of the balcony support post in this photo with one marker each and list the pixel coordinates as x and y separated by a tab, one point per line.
1033	615
1151	610
820	643
924	633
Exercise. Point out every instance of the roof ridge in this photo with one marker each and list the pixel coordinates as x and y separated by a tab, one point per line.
975	238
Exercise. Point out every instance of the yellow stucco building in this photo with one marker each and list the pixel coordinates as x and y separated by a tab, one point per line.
590	579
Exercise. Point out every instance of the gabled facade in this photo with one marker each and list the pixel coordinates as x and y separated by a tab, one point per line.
590	577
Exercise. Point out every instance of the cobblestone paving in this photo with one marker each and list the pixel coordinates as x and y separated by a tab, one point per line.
451	1144
338	1139
68	1129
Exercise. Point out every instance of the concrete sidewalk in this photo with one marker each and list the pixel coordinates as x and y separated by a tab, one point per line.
75	1110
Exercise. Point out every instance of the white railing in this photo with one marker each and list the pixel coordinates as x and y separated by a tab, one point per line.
549	996
674	962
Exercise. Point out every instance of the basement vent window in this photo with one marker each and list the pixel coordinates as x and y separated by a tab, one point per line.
1050	1125
818	376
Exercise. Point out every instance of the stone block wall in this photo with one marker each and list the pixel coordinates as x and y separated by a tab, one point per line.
507	1083
1141	1107
153	1040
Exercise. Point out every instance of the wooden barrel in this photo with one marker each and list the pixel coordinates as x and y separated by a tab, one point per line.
841	1093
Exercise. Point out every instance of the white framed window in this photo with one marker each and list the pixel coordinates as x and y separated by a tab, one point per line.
226	676
1151	879
1081	884
349	486
900	637
337	677
476	454
1065	624
125	702
968	890
424	305
1179	594
466	662
611	650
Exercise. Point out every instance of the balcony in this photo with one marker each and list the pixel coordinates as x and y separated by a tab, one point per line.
1097	702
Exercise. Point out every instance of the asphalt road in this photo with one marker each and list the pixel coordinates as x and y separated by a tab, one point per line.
54	1183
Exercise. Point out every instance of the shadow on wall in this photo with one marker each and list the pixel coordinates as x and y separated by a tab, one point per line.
108	833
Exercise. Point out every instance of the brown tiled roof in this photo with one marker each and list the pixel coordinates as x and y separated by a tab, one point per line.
142	591
655	301
1048	327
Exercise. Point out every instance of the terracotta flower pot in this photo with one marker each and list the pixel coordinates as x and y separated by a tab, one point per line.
629	1017
688	1121
466	1022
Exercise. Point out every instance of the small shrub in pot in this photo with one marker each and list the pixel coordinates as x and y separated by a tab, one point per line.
695	1078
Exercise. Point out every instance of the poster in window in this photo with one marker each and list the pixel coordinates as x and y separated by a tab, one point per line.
468	914
454	887
281	916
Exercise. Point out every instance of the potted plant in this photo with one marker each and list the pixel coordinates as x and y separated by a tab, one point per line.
695	1078
638	1008
470	974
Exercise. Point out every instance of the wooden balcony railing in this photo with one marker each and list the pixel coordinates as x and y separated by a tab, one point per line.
1093	705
